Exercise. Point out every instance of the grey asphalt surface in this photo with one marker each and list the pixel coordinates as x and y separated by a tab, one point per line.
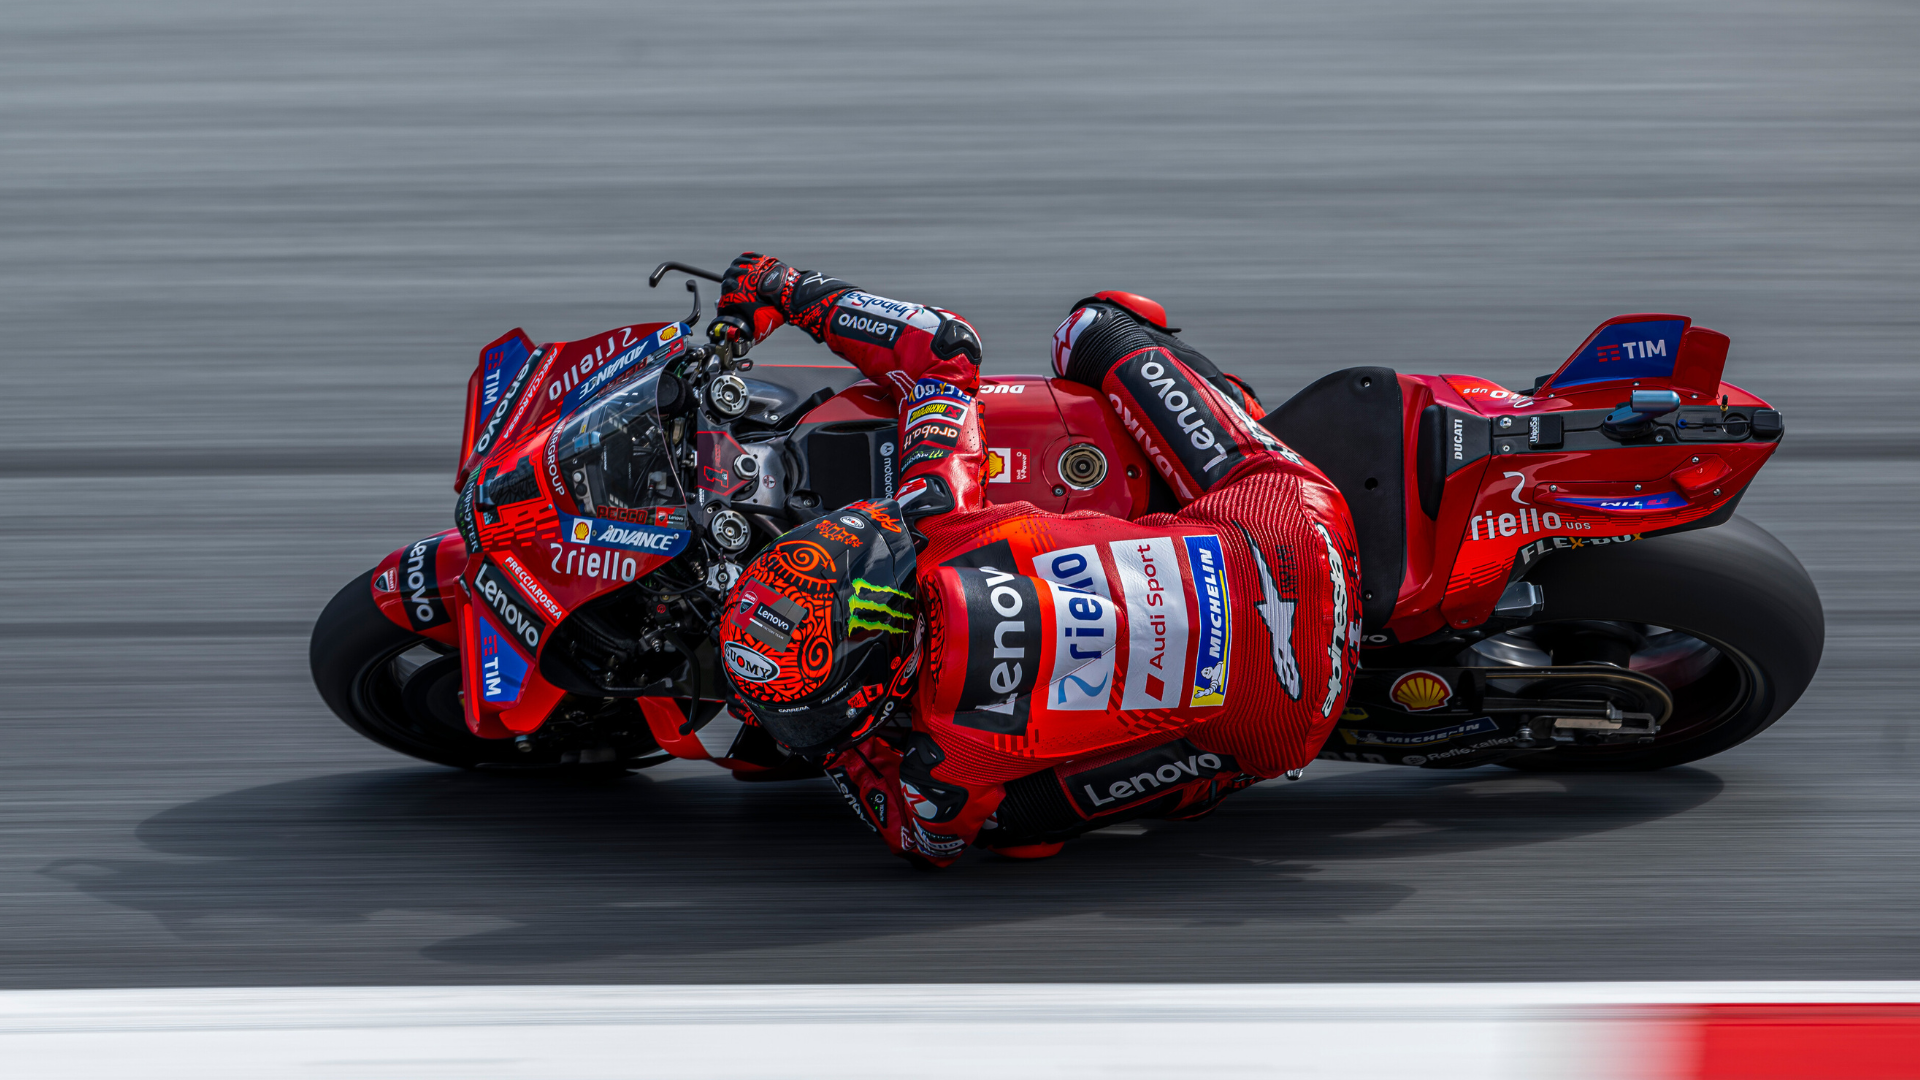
251	253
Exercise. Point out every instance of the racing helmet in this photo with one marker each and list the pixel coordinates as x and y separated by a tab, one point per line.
821	635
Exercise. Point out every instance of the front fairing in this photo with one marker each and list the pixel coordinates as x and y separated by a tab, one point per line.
563	501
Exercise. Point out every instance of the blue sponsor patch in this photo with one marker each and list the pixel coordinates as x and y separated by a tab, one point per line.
1668	500
499	365
662	345
1417	738
1635	350
502	670
623	534
1211	624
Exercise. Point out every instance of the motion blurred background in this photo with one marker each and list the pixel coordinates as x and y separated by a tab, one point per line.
251	251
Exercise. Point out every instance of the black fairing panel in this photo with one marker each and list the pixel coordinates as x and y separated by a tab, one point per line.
1348	424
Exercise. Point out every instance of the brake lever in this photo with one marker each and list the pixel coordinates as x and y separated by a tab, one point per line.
695	317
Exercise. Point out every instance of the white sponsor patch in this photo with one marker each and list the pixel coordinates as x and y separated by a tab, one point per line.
912	314
1336	648
748	664
1157	618
1086	629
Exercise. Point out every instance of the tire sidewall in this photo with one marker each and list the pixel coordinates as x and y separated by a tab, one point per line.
1733	585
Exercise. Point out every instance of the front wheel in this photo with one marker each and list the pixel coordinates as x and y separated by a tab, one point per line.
402	690
1725	617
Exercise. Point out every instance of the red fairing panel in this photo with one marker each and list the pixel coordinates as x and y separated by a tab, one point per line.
414	586
1500	513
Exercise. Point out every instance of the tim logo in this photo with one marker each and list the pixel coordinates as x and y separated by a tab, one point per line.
1632	350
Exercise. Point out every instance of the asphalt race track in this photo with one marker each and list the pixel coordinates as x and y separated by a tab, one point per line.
251	253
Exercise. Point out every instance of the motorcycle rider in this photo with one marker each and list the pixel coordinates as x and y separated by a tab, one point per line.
998	674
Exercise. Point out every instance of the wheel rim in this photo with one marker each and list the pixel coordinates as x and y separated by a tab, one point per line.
1711	683
381	695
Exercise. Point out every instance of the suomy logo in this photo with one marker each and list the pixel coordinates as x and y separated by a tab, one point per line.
744	663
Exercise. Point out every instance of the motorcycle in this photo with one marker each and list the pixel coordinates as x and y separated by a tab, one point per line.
1552	578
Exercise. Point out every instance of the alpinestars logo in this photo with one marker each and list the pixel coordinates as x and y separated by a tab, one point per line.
1066	335
1278	615
1336	646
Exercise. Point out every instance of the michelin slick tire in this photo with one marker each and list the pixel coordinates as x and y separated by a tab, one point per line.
1733	587
352	654
401	690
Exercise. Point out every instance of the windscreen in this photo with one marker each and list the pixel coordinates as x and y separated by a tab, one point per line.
616	454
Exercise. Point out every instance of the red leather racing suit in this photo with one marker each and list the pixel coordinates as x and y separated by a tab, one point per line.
1080	669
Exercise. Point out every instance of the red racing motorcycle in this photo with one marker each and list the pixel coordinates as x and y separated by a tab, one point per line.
1552	578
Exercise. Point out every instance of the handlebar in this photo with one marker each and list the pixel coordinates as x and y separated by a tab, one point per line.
653	279
730	337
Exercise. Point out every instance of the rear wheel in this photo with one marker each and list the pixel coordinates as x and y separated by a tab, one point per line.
1725	617
402	691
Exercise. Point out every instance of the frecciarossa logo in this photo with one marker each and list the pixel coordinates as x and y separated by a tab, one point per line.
516	614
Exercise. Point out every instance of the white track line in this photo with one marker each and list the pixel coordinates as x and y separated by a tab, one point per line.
921	1032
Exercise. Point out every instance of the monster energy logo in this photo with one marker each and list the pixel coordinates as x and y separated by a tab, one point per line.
873	608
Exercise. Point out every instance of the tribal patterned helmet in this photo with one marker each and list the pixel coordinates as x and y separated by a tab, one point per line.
821	636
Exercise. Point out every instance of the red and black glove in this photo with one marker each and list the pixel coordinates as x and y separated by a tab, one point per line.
751	291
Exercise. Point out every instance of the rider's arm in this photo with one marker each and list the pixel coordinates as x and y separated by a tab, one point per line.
1197	436
922	820
928	358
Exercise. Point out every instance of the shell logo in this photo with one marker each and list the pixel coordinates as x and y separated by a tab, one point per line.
1420	691
582	532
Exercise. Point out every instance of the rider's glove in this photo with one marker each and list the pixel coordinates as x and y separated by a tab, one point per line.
751	290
